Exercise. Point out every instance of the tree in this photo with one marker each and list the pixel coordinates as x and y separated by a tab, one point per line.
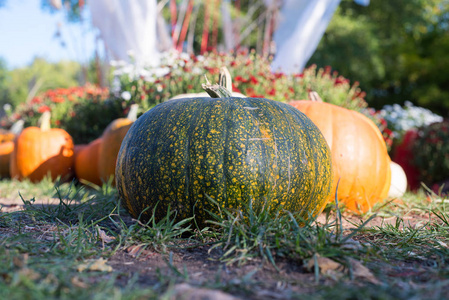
20	85
396	49
72	8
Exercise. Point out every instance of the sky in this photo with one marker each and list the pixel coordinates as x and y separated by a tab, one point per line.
27	31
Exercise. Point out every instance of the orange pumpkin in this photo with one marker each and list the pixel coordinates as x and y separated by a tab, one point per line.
359	154
111	140
6	136
39	151
86	162
6	149
7	146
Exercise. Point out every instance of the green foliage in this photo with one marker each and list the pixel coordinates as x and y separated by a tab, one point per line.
73	9
431	153
22	84
251	76
84	112
4	92
396	49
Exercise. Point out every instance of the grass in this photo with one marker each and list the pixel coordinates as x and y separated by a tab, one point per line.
85	246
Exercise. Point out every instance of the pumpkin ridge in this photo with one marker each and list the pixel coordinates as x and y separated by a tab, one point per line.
225	138
301	120
188	162
313	140
353	185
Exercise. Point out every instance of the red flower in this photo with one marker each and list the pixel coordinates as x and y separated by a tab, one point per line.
271	92
36	100
279	75
43	109
238	79
57	99
254	80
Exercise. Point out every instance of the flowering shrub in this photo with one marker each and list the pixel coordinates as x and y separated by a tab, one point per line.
181	73
431	153
82	111
400	119
85	111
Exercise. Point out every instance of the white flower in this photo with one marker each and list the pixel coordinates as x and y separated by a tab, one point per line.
126	95
184	56
7	107
160	72
400	119
197	70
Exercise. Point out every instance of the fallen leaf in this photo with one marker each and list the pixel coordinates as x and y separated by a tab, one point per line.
325	264
139	250
29	273
20	261
95	265
360	271
76	281
185	291
104	237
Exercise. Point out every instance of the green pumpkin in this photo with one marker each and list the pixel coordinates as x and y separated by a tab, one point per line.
234	150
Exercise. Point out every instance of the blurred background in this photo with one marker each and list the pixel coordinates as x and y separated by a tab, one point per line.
397	50
88	62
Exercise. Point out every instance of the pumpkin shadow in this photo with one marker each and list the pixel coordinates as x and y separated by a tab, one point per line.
59	166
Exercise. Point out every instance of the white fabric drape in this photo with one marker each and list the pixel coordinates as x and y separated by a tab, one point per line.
228	31
128	27
301	26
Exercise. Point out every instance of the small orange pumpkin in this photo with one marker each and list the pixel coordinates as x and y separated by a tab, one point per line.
7	146
86	162
6	149
359	155
39	151
111	140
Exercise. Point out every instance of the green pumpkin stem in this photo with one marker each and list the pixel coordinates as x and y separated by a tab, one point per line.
44	121
224	87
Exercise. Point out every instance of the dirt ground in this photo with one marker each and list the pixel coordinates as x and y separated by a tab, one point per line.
255	279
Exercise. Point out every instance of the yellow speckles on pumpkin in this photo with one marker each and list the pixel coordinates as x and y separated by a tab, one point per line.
218	148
